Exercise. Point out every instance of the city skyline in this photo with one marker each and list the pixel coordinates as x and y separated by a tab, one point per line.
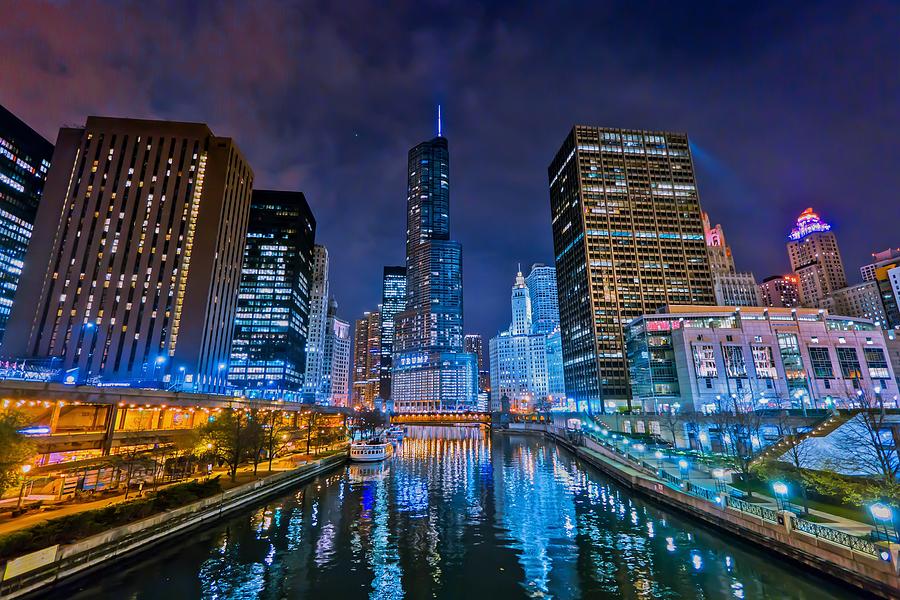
342	144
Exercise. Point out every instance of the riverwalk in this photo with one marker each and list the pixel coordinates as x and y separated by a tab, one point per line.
869	566
43	569
678	467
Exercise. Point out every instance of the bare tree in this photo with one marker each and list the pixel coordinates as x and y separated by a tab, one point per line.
865	446
798	462
740	424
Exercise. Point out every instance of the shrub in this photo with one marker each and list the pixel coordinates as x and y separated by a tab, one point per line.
70	528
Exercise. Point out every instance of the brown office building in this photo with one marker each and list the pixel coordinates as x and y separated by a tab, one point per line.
628	239
367	360
133	270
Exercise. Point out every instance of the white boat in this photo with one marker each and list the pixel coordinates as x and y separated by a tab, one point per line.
371	451
396	432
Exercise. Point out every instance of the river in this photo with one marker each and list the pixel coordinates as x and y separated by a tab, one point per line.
458	513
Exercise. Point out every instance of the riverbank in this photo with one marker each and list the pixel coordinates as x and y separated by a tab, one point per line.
41	571
780	532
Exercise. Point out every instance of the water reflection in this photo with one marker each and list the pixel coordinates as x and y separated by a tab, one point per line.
456	513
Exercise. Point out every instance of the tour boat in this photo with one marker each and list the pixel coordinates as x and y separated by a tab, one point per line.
396	432
371	451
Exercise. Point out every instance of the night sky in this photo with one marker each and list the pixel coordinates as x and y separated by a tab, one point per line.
788	105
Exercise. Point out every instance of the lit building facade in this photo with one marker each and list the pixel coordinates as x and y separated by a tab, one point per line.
628	238
24	161
337	359
134	266
430	371
520	357
761	357
268	352
393	302
542	292
880	259
780	291
316	387
815	258
730	287
367	360
862	300
885	272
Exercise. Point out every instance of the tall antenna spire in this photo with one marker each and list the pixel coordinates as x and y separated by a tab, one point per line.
439	120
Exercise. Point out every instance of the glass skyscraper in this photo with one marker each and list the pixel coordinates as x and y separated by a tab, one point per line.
430	370
393	301
628	239
268	353
24	161
316	387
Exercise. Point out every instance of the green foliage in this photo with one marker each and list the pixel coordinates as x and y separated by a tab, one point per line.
70	528
15	448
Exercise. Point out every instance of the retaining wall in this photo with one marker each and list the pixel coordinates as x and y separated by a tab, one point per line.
42	570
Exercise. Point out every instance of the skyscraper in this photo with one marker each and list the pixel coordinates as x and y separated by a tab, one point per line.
315	386
336	359
268	353
541	284
730	287
815	258
430	371
628	239
24	161
393	301
519	368
135	262
474	344
367	360
781	291
885	271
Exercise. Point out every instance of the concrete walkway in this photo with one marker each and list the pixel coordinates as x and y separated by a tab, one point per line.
702	476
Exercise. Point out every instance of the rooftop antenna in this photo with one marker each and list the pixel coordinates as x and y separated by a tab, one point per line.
439	120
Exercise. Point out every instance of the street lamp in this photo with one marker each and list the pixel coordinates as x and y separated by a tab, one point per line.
25	469
883	515
659	456
684	467
781	492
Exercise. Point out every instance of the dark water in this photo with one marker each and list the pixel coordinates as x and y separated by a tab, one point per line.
458	513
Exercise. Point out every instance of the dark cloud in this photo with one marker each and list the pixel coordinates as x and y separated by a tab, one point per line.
787	105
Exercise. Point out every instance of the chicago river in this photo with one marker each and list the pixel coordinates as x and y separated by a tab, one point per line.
458	512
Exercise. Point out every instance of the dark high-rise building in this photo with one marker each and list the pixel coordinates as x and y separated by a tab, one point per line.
474	344
430	371
134	265
393	301
268	353
628	239
24	161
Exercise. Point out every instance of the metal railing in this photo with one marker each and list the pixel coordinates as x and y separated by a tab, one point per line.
753	509
835	536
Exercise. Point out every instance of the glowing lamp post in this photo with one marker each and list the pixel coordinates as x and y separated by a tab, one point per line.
883	516
781	492
25	469
685	469
659	457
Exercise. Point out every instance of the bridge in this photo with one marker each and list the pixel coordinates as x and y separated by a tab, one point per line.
442	418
